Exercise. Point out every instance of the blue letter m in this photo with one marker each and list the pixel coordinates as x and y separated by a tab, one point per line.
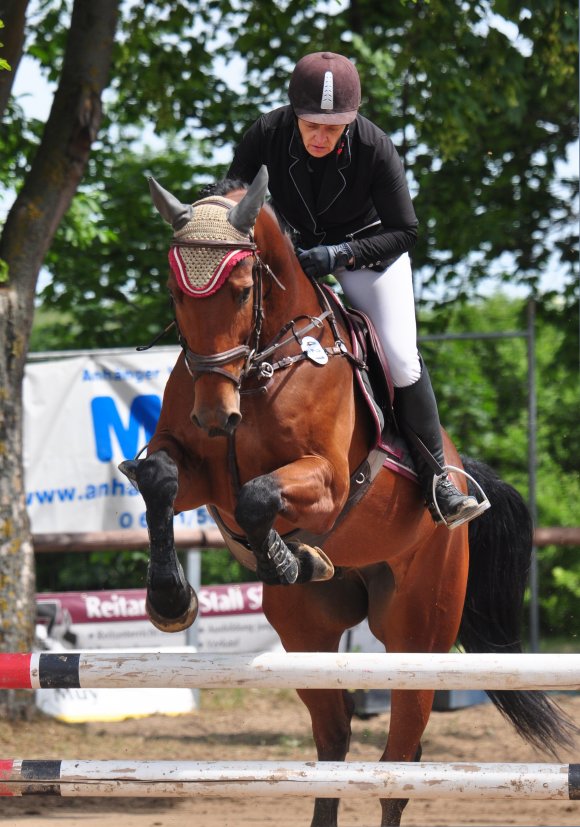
144	413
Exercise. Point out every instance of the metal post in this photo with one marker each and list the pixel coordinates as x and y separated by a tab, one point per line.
532	459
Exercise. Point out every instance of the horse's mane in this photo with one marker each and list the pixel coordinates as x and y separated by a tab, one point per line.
223	187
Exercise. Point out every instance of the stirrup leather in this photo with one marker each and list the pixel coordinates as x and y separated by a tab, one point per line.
483	502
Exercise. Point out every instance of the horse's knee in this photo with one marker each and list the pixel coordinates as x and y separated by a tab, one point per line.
157	479
259	501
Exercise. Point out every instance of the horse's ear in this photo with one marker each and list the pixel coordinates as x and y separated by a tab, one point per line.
168	207
243	215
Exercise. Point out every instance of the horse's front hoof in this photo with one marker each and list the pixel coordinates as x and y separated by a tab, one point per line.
129	468
314	565
173	624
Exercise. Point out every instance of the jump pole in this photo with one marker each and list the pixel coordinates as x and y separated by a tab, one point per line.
321	779
298	670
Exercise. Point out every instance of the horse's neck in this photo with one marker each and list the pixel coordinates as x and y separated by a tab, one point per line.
296	298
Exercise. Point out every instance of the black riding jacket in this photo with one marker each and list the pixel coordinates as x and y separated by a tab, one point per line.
363	196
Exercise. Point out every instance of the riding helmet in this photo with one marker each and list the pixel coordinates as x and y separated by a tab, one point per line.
325	88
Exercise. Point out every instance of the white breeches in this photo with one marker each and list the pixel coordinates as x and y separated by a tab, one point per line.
387	299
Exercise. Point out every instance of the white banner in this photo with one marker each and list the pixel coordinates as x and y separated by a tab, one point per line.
83	416
230	620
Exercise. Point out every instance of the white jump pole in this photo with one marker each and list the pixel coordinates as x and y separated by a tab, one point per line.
292	778
314	670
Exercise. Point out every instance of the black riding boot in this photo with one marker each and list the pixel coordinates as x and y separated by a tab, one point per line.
418	418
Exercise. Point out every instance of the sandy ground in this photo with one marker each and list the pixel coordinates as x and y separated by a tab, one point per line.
269	725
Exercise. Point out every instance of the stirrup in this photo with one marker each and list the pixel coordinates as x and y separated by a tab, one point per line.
482	506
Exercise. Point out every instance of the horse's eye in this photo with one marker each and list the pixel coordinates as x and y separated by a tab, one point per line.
245	295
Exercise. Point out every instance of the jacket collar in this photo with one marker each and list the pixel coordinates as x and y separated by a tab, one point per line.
333	182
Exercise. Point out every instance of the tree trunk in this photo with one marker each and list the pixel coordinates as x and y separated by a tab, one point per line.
30	227
13	15
16	553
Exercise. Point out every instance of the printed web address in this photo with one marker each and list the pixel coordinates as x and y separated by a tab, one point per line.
195	518
47	496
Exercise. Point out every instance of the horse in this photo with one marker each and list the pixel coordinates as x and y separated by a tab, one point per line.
265	425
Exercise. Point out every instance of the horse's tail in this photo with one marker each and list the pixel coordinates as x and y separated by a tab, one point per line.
500	548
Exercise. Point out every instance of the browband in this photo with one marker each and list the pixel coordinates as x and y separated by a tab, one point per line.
204	242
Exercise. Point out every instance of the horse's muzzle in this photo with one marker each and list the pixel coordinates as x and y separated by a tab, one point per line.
215	428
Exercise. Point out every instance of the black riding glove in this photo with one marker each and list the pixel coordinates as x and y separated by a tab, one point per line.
320	261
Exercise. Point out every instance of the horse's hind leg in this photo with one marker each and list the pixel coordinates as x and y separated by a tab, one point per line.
410	712
422	616
171	602
312	617
331	712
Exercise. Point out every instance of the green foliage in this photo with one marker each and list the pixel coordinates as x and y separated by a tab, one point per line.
91	571
560	598
108	263
482	388
218	566
482	114
480	124
4	65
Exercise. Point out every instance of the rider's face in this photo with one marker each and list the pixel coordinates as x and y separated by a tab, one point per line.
320	138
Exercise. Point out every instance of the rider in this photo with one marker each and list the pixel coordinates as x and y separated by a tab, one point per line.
337	182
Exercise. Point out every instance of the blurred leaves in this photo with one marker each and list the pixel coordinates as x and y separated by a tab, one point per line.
4	63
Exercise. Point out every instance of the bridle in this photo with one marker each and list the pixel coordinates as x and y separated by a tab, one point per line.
198	363
256	361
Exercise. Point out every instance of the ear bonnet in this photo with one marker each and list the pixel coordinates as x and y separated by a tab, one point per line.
210	236
199	266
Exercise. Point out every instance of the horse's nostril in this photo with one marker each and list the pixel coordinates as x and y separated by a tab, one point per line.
233	422
217	426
